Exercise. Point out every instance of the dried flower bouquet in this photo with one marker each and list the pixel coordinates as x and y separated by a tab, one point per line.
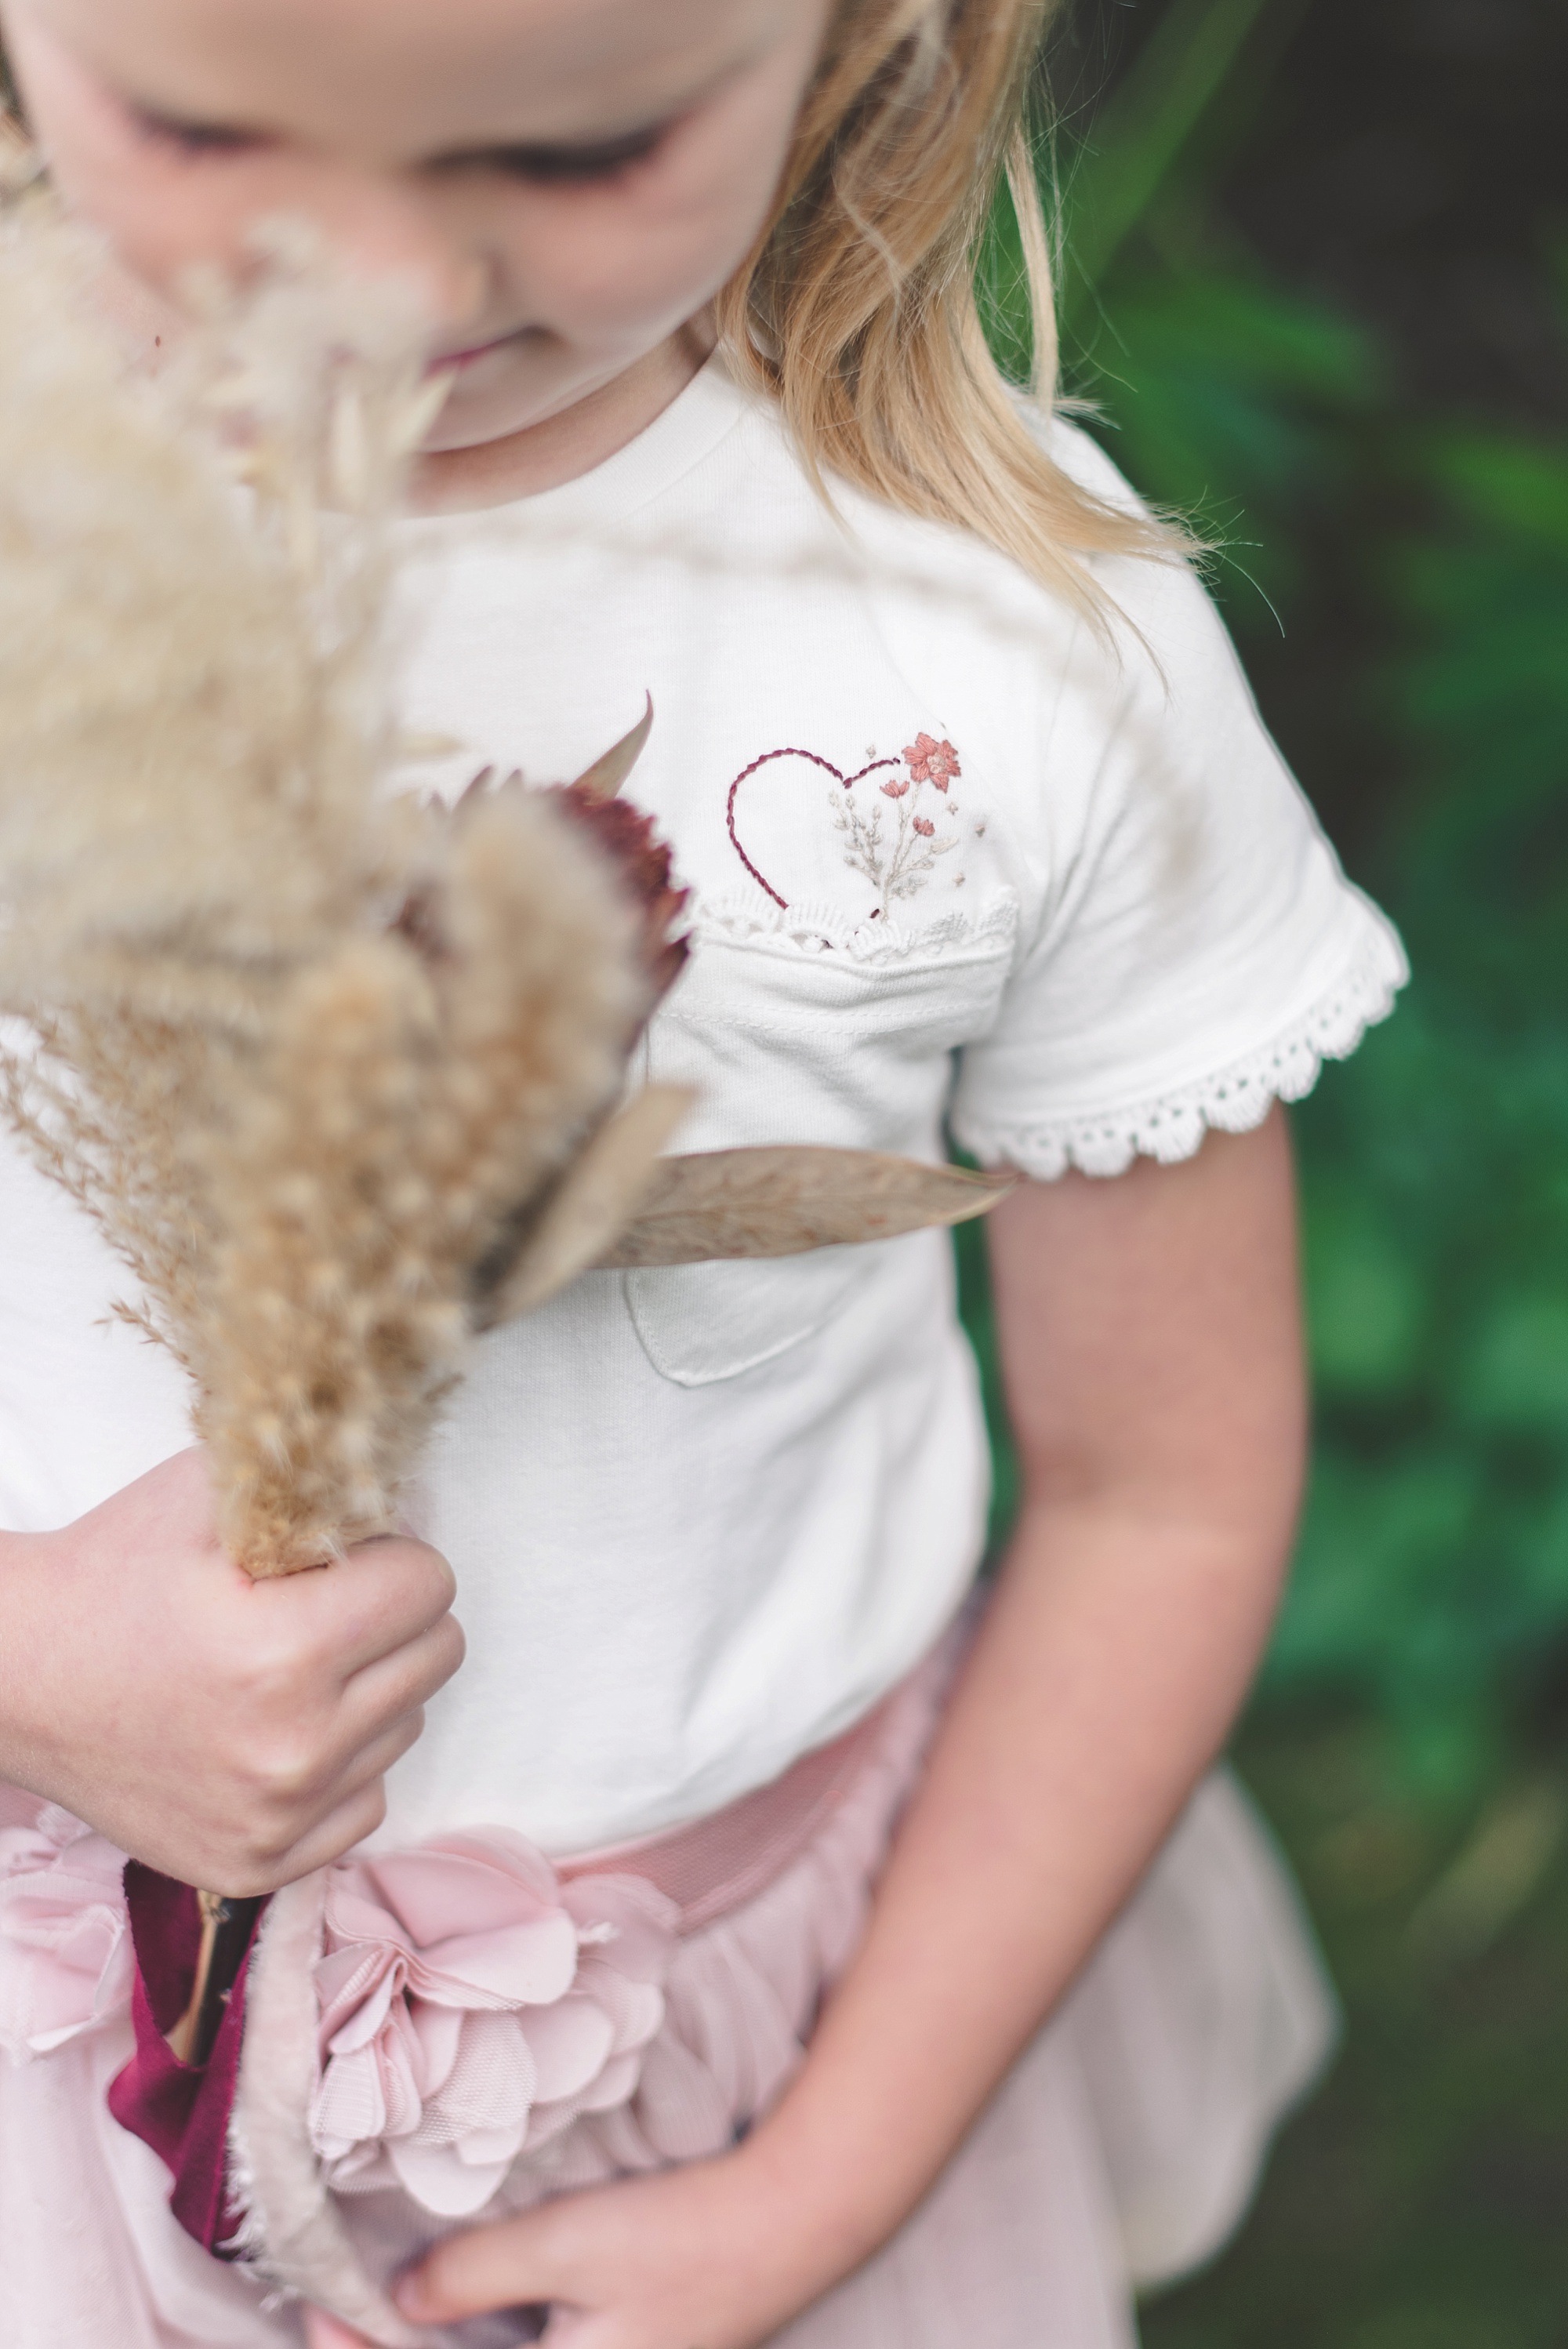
333	1069
307	1052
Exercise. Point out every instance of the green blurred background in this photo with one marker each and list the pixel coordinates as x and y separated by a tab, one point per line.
1315	284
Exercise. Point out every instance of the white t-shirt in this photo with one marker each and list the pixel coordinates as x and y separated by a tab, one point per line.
950	856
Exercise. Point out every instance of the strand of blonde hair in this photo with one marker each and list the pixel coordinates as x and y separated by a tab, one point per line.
858	309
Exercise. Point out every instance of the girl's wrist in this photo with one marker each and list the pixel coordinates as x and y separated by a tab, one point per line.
826	2190
24	1741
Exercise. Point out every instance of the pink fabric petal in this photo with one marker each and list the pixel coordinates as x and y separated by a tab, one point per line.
349	2104
343	1978
360	2022
66	1960
464	1884
644	1924
400	2059
353	1919
485	2148
635	2009
493	2083
571	2042
527	1963
439	2032
614	2085
681	2107
442	2184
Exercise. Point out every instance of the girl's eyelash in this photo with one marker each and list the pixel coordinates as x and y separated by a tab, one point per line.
547	166
558	165
191	138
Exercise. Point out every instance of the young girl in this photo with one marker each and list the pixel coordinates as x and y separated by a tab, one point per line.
981	826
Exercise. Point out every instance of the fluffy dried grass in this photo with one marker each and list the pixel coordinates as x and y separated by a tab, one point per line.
312	1057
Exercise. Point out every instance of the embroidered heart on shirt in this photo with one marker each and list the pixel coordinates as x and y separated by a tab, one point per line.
768	758
897	855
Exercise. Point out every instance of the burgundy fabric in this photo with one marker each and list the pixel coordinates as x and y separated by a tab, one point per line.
180	2110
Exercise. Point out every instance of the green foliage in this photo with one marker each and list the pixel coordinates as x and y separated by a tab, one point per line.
1432	1580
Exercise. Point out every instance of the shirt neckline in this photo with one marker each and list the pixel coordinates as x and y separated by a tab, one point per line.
679	438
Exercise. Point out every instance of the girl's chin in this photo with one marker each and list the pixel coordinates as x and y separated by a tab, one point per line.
479	412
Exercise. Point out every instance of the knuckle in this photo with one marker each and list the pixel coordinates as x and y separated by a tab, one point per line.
254	1877
407	1731
269	1670
286	1773
360	1817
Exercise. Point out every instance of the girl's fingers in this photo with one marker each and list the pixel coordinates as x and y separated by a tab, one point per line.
345	1824
396	1683
380	1597
471	2274
323	2332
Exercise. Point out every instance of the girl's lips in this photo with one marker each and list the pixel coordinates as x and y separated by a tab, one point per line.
454	362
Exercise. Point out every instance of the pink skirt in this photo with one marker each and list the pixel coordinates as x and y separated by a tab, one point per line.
443	2035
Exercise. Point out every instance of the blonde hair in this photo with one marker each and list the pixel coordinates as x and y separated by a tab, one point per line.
858	309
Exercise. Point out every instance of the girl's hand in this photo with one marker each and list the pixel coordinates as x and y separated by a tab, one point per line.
233	1734
715	2256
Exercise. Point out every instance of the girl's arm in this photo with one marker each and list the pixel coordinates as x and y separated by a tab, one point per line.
1150	1342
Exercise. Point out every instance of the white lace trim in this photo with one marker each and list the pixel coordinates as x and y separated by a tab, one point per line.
1234	1100
739	919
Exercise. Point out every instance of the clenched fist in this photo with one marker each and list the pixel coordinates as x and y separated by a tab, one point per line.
231	1733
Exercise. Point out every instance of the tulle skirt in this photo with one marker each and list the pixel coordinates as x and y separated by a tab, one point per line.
1121	2151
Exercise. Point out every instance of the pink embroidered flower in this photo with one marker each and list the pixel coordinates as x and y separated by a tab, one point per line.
925	826
930	761
471	2008
895	791
66	1961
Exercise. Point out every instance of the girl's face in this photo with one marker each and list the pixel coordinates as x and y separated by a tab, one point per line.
570	180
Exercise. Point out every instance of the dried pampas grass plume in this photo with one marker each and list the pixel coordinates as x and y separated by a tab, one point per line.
314	1057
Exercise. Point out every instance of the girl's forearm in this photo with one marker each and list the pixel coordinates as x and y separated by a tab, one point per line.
1104	1678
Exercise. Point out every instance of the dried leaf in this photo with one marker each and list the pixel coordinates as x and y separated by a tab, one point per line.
604	778
782	1201
594	1202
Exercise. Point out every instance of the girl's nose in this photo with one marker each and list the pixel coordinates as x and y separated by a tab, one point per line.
383	227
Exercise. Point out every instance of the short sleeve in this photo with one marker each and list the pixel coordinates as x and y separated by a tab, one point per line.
1198	953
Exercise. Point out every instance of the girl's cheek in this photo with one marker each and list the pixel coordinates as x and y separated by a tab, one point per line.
108	172
649	256
154	225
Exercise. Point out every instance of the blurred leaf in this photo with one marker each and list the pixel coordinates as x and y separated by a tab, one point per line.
1365	1296
1179	70
1517	1377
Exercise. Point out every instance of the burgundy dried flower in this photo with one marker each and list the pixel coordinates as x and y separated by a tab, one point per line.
638	857
641	861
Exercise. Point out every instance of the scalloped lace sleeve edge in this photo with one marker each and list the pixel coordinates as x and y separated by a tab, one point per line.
1233	1100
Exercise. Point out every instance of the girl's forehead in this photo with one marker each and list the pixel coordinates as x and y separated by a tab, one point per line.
419	72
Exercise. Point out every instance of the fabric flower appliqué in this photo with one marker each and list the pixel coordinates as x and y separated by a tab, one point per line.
899	859
65	1961
472	2007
